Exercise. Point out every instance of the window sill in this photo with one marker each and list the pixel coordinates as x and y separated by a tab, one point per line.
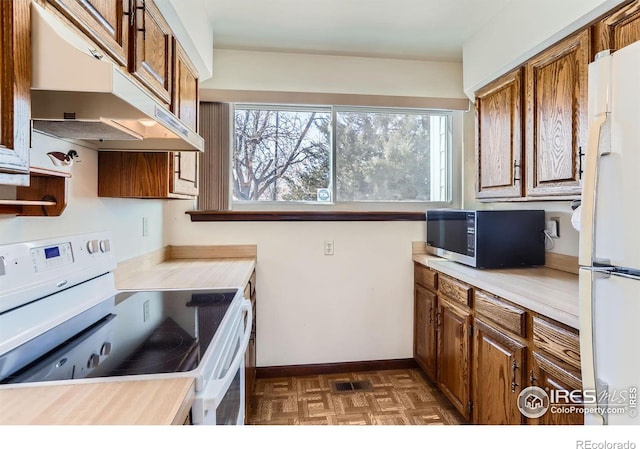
205	215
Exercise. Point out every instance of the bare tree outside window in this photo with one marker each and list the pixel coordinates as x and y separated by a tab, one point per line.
280	155
390	155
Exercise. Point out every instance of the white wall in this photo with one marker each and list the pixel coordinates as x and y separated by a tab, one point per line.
297	72
519	31
86	212
355	305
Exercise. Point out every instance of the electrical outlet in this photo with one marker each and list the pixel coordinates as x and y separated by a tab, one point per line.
553	228
328	247
145	311
145	226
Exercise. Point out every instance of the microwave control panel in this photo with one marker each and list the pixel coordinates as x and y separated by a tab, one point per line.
471	234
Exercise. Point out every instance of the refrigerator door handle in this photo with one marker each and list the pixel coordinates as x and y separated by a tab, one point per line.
589	184
587	338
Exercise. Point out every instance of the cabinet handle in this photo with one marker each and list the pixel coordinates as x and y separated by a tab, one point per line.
143	30
532	378
437	319
580	156
515	166
514	384
430	314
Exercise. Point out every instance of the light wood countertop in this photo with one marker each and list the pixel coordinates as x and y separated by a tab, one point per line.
189	273
552	293
144	402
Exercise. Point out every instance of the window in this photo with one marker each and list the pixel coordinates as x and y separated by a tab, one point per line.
329	155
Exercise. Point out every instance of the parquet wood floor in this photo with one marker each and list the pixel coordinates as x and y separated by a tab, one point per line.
399	397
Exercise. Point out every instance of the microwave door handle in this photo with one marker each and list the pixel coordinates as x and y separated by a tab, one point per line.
214	391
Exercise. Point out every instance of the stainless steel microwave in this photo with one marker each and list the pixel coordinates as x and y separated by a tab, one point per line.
487	238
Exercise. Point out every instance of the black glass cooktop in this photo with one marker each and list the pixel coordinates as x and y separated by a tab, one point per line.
163	331
146	332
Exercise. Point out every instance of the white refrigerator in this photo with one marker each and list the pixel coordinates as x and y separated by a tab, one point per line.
610	241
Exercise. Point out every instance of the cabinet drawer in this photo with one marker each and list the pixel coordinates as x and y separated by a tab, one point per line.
510	317
454	290
425	277
557	341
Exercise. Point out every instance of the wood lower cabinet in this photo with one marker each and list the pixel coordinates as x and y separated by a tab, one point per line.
551	374
15	91
425	341
454	355
499	374
488	349
498	115
619	29
106	22
151	58
141	175
556	127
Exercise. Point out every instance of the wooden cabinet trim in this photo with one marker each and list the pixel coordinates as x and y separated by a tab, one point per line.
15	91
617	30
555	169
557	341
425	330
509	126
505	372
425	277
454	290
112	38
504	314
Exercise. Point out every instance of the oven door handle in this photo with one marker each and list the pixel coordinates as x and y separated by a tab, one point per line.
216	388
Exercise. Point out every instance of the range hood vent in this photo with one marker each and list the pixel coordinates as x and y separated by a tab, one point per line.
77	93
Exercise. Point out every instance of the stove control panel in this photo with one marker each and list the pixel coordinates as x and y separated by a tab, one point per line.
51	257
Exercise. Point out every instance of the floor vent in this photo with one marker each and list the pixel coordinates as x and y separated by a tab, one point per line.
349	387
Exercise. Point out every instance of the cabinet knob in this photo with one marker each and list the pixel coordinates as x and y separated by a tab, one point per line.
93	361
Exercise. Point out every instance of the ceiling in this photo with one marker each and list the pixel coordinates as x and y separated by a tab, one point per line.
408	29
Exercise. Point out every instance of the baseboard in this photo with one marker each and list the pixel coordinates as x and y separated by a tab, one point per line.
333	368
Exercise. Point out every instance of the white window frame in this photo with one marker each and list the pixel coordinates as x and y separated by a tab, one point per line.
453	171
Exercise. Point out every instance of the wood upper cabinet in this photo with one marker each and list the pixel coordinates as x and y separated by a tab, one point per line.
185	105
499	374
106	22
618	29
454	355
425	336
15	88
556	117
136	174
498	115
551	374
151	58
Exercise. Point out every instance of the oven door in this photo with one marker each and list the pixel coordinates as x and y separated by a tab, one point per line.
222	400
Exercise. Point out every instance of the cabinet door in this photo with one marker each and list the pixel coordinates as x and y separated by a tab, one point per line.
185	107
424	331
152	52
549	374
556	123
454	356
106	22
498	109
184	169
619	29
15	85
499	374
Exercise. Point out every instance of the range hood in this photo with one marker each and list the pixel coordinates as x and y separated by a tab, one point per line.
77	93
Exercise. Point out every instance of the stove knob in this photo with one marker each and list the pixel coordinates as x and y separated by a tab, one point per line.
105	246
105	349
94	361
93	246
